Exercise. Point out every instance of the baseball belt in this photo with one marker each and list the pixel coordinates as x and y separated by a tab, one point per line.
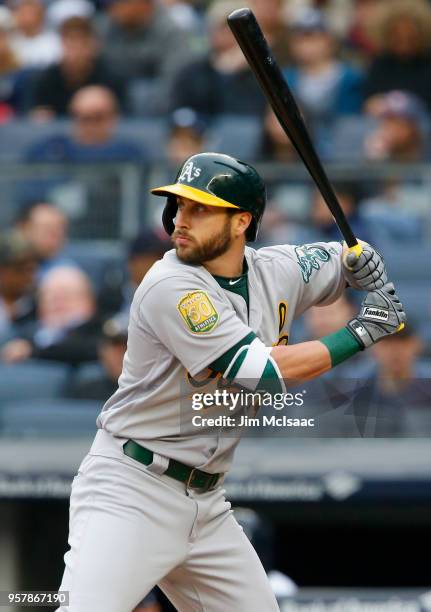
192	477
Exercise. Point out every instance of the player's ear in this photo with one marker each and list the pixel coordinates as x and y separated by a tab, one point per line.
241	222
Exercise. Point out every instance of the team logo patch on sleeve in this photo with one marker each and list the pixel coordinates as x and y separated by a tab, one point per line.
310	257
198	312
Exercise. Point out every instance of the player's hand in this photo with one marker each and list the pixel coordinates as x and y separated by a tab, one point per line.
368	271
381	315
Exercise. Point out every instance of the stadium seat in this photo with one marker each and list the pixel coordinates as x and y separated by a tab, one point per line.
237	136
144	97
409	263
87	372
16	137
100	261
32	379
150	133
23	133
416	298
344	141
54	417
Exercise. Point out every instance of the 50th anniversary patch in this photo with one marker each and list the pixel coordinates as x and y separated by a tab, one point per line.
198	312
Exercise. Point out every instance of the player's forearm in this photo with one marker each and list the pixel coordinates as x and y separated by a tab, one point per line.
302	361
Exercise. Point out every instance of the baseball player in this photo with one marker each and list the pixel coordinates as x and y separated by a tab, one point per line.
147	505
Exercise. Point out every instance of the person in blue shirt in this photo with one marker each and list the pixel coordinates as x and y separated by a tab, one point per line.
93	133
325	86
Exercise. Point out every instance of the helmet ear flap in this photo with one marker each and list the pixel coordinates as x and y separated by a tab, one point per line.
251	232
169	214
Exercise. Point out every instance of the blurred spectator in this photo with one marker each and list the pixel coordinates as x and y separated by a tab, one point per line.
398	361
403	36
44	226
186	136
358	37
144	250
402	129
142	42
148	247
221	82
325	87
111	349
273	22
339	13
324	320
67	327
61	10
186	17
94	114
80	66
396	211
323	226
298	215
34	45
392	216
17	271
399	390
275	145
10	69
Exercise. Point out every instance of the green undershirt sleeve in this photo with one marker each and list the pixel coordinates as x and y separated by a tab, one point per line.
341	345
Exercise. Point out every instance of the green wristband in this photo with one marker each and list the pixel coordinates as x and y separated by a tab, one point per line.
341	345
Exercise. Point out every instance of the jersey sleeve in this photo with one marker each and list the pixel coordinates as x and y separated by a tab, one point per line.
192	321
311	272
320	273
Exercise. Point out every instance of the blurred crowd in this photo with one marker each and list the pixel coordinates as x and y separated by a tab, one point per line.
87	81
51	308
85	70
363	59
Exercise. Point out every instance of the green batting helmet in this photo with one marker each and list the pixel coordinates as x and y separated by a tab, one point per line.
216	180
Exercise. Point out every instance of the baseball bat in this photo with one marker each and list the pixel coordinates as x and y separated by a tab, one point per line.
253	44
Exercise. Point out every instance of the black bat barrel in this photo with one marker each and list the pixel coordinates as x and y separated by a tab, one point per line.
253	44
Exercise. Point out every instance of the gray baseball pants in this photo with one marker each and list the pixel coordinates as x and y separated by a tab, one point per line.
132	528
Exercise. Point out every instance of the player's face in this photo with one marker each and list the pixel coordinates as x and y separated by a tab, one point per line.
202	233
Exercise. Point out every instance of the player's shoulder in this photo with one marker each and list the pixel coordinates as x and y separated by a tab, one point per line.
270	253
168	274
289	260
292	252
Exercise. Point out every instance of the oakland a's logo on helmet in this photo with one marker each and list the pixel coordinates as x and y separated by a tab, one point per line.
189	172
310	257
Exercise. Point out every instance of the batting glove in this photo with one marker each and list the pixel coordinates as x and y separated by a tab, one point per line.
381	315
368	271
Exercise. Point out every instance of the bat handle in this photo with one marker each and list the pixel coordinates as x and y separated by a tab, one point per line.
356	249
352	255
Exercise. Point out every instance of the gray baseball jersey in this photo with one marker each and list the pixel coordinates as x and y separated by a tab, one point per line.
182	320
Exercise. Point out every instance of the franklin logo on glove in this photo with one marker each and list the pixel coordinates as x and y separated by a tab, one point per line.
374	313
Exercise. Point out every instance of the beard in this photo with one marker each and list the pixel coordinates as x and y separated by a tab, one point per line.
214	247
